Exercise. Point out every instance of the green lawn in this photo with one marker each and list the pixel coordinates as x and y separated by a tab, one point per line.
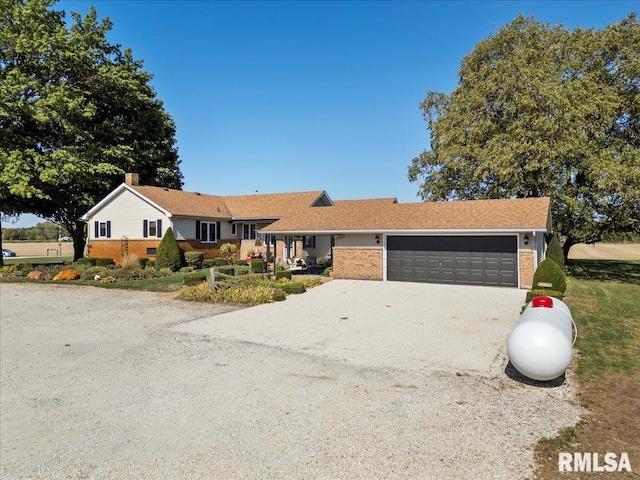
36	260
605	304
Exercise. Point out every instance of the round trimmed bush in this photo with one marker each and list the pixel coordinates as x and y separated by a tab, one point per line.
549	272
283	274
292	287
194	259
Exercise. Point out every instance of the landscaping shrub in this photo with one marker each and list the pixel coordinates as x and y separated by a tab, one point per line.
242	271
257	265
143	261
108	280
67	275
151	264
194	278
227	270
241	263
323	261
549	272
194	259
327	270
186	269
86	261
199	293
208	263
228	251
220	262
292	287
283	274
247	295
105	262
543	293
131	260
250	294
554	251
38	275
279	295
309	282
169	254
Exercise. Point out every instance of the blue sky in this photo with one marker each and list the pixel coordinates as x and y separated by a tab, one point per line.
292	96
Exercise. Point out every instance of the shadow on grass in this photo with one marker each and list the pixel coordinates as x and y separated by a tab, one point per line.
511	372
626	271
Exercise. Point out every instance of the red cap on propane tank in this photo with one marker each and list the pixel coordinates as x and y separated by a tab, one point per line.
546	302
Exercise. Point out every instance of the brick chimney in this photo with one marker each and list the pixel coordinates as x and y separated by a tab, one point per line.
131	179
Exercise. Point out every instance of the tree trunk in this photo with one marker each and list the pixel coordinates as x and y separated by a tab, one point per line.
77	233
568	243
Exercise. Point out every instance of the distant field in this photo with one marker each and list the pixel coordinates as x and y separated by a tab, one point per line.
39	249
605	251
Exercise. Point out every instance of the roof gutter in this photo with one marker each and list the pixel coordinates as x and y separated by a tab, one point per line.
407	231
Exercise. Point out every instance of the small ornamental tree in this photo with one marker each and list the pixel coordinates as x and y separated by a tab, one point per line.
554	251
169	255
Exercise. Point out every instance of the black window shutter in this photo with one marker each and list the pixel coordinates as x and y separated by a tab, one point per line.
145	228
159	229
96	229
197	229
217	231
108	228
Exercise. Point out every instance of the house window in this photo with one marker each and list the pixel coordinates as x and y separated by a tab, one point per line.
267	239
208	232
102	229
249	231
152	228
233	229
310	242
152	250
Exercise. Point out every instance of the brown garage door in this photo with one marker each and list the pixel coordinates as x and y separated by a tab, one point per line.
467	260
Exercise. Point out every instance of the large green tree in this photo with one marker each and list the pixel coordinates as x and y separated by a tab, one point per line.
76	113
543	110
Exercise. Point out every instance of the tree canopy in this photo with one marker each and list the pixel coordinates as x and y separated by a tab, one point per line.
543	110
76	113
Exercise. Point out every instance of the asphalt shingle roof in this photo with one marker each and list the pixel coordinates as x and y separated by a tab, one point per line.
529	213
269	205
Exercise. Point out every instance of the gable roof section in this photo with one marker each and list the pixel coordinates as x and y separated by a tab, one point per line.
119	190
376	215
182	203
273	205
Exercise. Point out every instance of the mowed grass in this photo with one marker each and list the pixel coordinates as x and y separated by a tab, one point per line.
605	304
36	260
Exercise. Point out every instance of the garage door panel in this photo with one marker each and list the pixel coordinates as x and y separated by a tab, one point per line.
472	260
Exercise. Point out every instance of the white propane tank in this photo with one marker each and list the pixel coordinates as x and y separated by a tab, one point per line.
540	345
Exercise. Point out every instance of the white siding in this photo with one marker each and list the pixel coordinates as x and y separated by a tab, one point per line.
368	240
185	228
126	212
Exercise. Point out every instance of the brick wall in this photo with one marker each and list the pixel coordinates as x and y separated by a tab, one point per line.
526	259
360	263
113	248
210	250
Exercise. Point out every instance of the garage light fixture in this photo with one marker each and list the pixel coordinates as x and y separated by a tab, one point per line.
377	238
526	239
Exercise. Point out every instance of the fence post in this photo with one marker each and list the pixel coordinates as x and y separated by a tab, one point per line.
212	279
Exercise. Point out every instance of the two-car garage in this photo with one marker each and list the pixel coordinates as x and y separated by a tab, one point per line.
467	260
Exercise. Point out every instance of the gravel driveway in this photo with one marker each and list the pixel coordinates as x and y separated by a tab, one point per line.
101	384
